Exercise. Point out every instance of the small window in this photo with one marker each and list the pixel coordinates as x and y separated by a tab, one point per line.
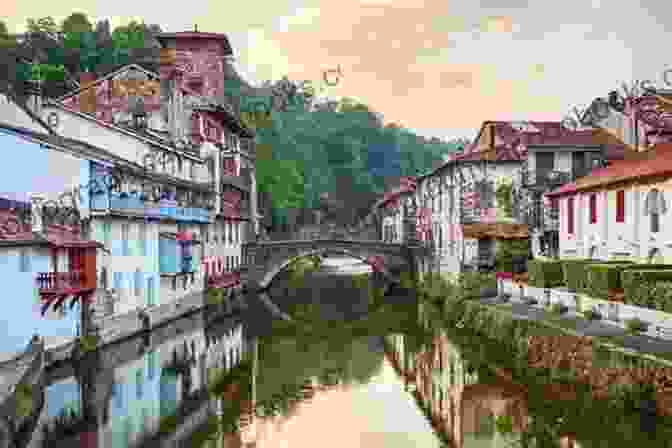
25	260
593	208
570	215
138	283
107	235
151	364
117	281
142	243
124	239
138	384
620	206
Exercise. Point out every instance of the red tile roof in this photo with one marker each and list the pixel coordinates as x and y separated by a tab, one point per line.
655	162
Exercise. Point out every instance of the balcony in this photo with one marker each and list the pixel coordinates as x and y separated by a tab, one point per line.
546	180
61	282
164	209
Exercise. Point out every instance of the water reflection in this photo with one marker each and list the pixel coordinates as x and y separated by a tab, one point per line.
121	396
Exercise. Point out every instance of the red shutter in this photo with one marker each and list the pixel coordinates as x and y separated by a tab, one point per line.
593	208
570	215
620	206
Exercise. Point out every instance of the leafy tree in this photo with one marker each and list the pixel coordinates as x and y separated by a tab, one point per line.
76	23
43	25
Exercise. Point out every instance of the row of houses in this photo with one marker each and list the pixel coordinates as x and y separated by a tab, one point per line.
598	191
123	191
539	182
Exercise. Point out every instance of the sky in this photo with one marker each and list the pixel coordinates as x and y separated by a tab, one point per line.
439	67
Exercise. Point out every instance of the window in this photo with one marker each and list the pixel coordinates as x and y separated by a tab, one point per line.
570	215
149	292
117	281
24	261
655	206
138	384
237	228
124	239
620	206
117	393
107	234
230	229
142	243
593	208
151	364
138	283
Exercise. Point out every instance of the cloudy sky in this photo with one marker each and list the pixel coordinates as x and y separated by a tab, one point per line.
440	67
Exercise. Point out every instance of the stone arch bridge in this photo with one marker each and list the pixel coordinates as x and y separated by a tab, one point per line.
263	261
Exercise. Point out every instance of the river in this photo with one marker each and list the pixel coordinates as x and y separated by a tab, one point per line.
344	373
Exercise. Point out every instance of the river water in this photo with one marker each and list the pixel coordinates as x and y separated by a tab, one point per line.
345	373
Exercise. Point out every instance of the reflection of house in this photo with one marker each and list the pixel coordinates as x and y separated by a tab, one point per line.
619	211
461	407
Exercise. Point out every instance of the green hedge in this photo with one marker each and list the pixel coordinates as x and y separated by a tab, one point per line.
575	274
647	288
470	284
545	273
602	278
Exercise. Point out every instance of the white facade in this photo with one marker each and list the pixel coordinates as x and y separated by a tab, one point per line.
609	239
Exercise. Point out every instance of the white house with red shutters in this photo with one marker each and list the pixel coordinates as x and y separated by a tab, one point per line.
621	211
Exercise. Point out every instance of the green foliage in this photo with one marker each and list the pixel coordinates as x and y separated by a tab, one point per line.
508	251
559	308
545	273
470	284
575	272
88	343
24	400
504	197
47	72
591	315
636	325
602	278
42	25
648	288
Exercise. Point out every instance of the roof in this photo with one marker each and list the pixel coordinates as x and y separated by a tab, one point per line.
13	232
104	78
196	35
516	140
655	162
500	230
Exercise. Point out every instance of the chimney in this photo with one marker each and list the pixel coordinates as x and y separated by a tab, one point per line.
87	97
36	201
34	96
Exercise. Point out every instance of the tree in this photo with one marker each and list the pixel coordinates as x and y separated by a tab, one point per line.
43	25
76	23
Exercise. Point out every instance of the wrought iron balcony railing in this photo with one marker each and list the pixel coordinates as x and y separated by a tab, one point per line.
60	281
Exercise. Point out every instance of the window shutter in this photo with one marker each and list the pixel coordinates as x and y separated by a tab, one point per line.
620	206
570	215
593	208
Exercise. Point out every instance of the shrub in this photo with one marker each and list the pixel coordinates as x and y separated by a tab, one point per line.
559	308
640	286
636	325
592	315
470	284
575	274
545	273
602	278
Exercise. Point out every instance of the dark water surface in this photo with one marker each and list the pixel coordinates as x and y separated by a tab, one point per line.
345	373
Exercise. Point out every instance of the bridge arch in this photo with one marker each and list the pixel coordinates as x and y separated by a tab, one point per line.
271	274
265	260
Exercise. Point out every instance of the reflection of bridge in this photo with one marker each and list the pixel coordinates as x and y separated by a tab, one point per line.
262	261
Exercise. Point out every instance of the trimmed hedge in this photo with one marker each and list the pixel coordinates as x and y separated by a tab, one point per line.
575	273
602	278
545	273
648	288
